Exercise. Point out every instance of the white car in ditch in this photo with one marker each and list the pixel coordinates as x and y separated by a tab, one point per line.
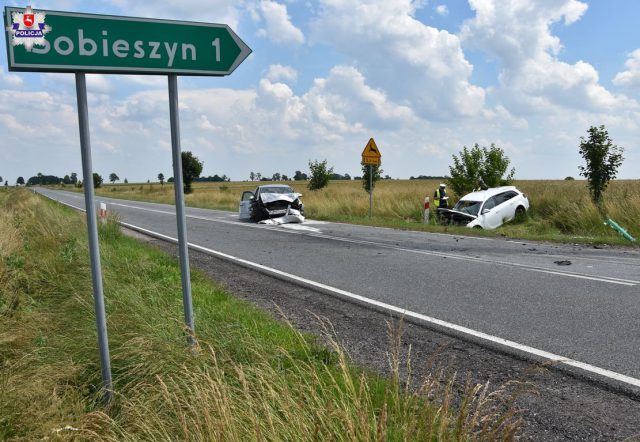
487	209
272	203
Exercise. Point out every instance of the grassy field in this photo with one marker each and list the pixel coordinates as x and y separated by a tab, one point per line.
250	378
560	210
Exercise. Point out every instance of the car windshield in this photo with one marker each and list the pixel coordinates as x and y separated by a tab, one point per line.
466	206
276	189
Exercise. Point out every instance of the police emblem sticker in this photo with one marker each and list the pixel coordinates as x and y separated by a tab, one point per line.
28	28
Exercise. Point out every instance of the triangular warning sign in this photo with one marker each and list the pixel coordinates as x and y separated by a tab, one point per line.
371	150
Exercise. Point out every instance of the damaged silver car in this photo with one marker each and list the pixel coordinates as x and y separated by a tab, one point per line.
272	202
487	209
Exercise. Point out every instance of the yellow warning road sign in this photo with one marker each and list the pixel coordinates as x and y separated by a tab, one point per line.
371	155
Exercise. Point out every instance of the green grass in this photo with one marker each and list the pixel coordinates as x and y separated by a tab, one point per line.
249	378
560	210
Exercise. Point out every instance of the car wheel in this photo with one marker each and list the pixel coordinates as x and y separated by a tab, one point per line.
477	227
521	213
256	212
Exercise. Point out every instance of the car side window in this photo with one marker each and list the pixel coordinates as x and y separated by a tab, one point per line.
491	203
508	195
247	195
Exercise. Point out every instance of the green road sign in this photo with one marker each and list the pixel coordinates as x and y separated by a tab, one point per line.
54	41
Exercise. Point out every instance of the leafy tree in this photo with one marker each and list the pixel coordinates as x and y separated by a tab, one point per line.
0	179
258	176
320	174
74	178
171	180
113	177
276	177
376	174
126	181
6	183
284	177
66	179
252	176
489	164
191	169
161	179
603	159
97	180
20	181
299	176
569	178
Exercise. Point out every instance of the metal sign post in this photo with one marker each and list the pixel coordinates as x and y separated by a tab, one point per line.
92	229
371	155
180	215
370	190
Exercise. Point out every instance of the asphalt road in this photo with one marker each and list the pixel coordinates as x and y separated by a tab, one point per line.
586	309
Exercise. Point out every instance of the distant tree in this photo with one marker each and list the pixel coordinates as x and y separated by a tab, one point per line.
126	181
74	178
366	170
20	181
113	178
97	180
66	179
6	183
171	180
387	177
489	164
0	179
252	176
276	177
258	176
264	179
191	169
603	159
319	174
161	179
284	177
569	178
299	176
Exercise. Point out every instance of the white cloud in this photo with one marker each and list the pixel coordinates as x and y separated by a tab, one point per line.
631	77
213	11
517	34
278	72
9	80
412	62
442	10
279	28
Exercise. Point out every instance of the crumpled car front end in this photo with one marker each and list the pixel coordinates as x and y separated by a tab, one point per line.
277	204
451	216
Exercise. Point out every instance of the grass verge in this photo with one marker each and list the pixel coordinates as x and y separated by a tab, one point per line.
250	377
561	210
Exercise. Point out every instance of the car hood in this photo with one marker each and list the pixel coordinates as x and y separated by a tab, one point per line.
271	197
456	212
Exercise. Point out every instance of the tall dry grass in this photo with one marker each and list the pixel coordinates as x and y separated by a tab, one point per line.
559	208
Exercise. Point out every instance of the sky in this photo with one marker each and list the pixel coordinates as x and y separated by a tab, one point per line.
423	78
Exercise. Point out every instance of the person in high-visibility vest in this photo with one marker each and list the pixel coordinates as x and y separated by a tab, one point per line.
440	197
480	185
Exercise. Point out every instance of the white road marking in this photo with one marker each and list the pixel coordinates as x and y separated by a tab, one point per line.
619	377
405	313
526	267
